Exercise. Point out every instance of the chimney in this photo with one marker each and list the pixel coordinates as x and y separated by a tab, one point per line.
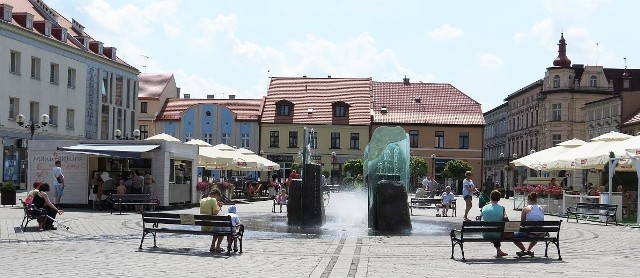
187	95
329	76
232	96
24	19
418	99
383	109
6	11
76	26
59	33
178	92
406	81
211	96
96	47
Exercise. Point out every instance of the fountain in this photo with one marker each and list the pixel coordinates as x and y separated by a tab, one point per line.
305	207
386	170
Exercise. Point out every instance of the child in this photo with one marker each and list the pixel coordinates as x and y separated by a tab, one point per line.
122	188
235	221
447	198
31	193
281	198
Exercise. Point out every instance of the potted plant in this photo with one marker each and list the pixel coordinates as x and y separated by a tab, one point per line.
7	194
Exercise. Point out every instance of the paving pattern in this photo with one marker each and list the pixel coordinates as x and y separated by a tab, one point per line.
100	244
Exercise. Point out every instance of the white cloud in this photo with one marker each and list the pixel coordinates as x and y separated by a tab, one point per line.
210	27
489	61
543	31
445	32
129	20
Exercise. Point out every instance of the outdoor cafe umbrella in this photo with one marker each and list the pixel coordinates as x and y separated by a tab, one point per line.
163	136
533	160
263	163
198	142
569	160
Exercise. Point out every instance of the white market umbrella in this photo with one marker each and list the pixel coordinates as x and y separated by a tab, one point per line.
571	160
534	160
198	142
600	157
263	163
164	137
222	156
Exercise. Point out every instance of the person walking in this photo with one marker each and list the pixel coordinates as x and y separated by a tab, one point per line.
468	189
58	181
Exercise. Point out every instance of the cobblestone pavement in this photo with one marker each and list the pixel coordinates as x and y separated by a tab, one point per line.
100	244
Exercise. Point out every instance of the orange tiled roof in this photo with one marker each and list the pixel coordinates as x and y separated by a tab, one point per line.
151	85
424	103
633	120
319	94
245	109
22	6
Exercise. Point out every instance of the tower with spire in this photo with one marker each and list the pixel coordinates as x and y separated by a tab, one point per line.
562	60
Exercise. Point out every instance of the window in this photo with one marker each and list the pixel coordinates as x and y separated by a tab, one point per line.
274	139
413	138
244	140
593	81
188	137
208	137
226	138
556	81
53	115
70	118
34	111
144	106
15	62
144	132
335	140
340	110
14	107
54	75
313	139
439	139
103	89
354	143
464	140
71	78
283	109
556	139
556	110
293	139
35	68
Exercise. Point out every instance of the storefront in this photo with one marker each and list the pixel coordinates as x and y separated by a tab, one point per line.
171	164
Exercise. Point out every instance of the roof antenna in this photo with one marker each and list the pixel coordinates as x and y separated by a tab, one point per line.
597	54
145	62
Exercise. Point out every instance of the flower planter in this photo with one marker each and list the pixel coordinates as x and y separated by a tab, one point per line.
8	198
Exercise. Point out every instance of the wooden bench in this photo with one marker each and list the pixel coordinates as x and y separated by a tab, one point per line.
472	231
32	213
429	203
594	209
121	200
191	223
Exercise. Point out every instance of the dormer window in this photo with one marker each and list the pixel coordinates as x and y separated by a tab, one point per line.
340	109
593	81
556	81
29	24
283	108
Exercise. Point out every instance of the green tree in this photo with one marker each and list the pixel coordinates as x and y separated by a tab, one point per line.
296	166
417	168
455	169
354	166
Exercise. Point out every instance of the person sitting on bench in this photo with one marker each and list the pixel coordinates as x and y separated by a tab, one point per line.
41	200
32	193
532	212
494	212
447	198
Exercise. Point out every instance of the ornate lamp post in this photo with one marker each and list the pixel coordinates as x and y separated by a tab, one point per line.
433	166
118	135
32	125
334	168
514	156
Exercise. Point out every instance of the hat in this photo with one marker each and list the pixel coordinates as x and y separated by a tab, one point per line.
233	209
105	176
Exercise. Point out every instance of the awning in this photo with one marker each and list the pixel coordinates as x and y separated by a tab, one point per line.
119	150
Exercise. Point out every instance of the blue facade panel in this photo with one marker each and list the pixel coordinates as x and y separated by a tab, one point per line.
188	120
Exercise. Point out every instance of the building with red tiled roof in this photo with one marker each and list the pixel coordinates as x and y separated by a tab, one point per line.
234	122
337	109
154	90
58	69
443	123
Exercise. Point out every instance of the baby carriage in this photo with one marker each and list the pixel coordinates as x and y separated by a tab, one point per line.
483	200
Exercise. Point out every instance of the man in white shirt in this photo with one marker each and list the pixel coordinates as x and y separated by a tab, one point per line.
58	181
447	198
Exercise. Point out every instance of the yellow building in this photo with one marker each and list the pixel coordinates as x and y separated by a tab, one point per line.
336	109
442	122
155	89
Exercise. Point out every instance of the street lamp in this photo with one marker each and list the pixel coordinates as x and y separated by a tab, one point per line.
514	156
334	168
433	166
118	134
32	126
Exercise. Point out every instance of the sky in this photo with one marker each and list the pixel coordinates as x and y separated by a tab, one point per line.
486	49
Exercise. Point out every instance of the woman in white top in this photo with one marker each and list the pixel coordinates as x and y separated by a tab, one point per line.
532	212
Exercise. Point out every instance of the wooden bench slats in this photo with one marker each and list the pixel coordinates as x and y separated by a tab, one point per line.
472	231
131	199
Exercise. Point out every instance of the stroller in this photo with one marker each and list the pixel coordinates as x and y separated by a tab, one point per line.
483	199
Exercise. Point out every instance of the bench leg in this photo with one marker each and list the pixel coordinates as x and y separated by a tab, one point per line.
229	244
23	226
142	240
240	240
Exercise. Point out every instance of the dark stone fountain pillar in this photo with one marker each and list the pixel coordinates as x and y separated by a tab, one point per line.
305	206
389	211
